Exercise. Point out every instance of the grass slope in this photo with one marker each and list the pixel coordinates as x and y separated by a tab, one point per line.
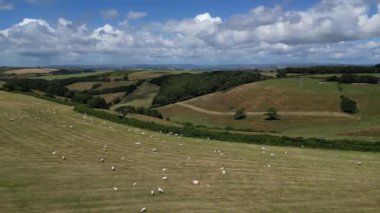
142	96
84	74
287	95
34	180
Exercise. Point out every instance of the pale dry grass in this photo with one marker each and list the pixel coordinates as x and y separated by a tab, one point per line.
34	180
30	71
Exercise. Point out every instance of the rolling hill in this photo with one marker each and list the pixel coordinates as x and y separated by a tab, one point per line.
35	134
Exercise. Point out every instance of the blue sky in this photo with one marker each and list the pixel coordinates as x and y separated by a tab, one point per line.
43	32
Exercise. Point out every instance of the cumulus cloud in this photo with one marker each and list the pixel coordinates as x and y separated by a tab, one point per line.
136	15
109	14
6	5
331	31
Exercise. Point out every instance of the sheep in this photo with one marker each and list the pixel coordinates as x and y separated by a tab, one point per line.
224	172
359	163
134	184
268	165
154	150
221	168
101	160
189	158
271	154
115	188
144	209
160	190
164	169
208	185
164	178
122	158
195	182
113	168
63	158
152	193
53	153
286	152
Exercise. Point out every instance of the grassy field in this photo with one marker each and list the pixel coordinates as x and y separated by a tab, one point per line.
30	71
81	86
84	74
287	95
142	96
35	180
323	76
154	74
110	97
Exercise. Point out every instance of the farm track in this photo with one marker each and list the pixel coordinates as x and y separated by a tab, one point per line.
287	113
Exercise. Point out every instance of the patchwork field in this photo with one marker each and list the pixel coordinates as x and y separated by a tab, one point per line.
139	75
30	71
84	74
33	179
310	110
142	96
110	97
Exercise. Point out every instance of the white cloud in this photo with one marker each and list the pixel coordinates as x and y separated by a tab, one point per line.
136	15
109	14
331	31
6	5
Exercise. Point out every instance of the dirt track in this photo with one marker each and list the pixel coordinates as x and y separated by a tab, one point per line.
298	113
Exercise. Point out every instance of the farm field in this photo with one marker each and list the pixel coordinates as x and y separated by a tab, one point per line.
109	97
30	71
139	75
303	113
34	179
330	75
84	74
81	86
142	96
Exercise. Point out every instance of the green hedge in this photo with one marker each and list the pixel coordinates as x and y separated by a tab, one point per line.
189	131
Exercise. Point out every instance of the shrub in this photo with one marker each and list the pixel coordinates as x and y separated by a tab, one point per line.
97	102
240	114
272	115
347	105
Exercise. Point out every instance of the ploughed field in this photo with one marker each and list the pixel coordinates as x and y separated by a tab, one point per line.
36	134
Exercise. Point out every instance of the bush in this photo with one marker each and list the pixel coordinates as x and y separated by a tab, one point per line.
347	105
272	115
97	102
240	114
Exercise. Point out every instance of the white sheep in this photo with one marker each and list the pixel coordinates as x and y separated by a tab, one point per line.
359	163
122	158
113	168
154	150
188	158
63	158
224	172
221	168
152	192
134	184
164	169
144	209
268	165
286	152
115	188
195	182
53	153
164	178
271	154
160	190
101	160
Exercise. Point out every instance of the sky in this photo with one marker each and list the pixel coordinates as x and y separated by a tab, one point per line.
209	32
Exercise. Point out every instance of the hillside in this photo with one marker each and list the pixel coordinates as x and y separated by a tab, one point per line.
310	110
34	179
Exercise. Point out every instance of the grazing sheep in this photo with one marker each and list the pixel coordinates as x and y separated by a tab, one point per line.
286	152
195	182
164	178
101	160
164	169
113	168
221	168
63	158
115	188
268	165
53	153
224	172
138	143
106	150
188	158
12	119
144	209
154	150
134	184
160	190
70	126
359	163
271	154
152	192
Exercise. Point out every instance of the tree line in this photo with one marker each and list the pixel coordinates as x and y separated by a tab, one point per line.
333	69
174	88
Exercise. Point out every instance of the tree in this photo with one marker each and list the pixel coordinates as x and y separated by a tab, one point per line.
272	115
97	102
282	74
125	110
240	114
347	105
